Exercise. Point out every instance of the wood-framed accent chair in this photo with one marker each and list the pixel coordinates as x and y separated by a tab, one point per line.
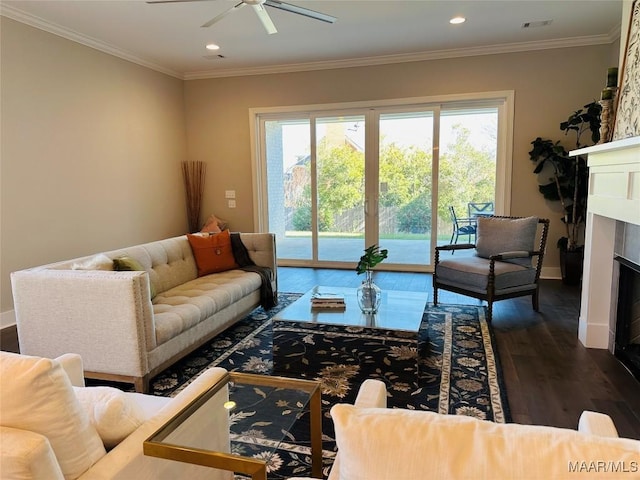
505	264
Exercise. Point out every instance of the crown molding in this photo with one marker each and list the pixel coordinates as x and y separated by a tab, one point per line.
412	57
39	23
23	17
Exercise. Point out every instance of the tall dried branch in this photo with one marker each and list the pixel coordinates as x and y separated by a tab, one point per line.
193	174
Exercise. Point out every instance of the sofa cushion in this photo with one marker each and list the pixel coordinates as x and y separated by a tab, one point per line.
378	443
36	395
214	225
472	273
114	415
182	307
499	235
211	225
213	253
97	262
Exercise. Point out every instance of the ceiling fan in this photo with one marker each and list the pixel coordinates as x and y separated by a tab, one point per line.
258	7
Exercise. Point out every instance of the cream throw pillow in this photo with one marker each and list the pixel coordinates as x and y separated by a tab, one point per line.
98	262
383	444
36	395
113	414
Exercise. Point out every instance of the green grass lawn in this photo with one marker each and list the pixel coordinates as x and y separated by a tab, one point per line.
387	236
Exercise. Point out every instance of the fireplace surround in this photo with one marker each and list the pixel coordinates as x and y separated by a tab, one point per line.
612	229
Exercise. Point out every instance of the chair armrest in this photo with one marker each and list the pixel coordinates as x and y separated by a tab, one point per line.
26	454
456	246
372	394
127	460
71	363
510	255
597	424
514	254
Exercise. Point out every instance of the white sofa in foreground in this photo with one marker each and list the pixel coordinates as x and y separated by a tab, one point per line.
110	319
376	443
54	428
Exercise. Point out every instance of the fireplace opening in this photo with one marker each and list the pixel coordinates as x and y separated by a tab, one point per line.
627	342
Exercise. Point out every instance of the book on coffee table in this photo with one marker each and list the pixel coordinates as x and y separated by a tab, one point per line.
327	300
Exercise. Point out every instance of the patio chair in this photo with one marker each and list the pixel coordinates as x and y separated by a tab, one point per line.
505	264
461	226
480	209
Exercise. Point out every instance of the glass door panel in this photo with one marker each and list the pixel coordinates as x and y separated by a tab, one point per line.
330	190
288	161
405	191
340	173
467	171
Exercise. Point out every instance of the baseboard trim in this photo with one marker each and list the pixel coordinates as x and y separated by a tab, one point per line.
551	273
7	319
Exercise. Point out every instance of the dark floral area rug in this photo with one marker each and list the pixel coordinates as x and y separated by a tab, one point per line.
453	370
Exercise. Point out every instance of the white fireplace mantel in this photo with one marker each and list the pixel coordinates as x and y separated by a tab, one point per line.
614	195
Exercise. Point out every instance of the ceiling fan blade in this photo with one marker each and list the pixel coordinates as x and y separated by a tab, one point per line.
265	19
301	11
223	14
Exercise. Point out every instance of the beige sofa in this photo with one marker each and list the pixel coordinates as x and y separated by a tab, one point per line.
53	428
110	320
376	443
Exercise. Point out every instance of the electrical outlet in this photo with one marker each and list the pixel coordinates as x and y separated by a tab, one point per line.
232	204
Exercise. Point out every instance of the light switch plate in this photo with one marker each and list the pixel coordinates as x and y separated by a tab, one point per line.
229	194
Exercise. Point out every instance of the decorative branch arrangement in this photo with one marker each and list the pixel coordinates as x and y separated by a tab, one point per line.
193	174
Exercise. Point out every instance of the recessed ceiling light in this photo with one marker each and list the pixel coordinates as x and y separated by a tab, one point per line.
212	46
457	20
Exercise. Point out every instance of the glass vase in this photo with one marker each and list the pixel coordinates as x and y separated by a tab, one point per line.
369	294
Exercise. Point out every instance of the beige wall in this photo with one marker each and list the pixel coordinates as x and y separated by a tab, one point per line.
548	85
90	151
91	144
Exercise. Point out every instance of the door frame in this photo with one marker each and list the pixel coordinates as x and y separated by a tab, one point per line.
502	100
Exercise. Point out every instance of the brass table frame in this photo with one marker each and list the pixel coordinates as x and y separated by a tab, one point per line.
154	446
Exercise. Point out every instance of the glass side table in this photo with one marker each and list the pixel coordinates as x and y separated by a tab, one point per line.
209	429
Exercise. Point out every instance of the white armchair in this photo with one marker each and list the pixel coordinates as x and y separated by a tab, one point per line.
46	432
375	443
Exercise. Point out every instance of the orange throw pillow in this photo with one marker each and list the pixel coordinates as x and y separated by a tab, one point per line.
213	253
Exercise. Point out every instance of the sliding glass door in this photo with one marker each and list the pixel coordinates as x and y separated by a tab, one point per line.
404	179
335	182
340	187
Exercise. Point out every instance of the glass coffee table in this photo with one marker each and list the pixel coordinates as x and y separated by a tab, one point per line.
217	423
399	318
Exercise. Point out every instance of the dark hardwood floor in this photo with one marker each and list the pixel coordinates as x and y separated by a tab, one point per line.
550	377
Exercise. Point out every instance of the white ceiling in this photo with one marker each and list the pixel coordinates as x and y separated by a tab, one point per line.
169	38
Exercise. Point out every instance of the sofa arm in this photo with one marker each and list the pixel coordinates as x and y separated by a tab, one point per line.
597	424
262	251
106	317
127	461
71	363
372	394
27	455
